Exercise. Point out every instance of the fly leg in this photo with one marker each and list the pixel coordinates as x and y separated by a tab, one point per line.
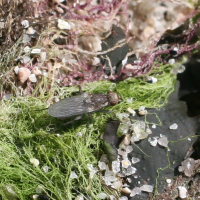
109	111
64	124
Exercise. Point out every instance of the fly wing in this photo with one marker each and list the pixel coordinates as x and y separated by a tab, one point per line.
69	107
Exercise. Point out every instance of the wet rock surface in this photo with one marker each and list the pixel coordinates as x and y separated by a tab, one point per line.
160	159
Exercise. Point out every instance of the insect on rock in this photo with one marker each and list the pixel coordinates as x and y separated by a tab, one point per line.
82	104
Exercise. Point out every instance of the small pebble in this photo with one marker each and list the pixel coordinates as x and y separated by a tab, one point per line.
173	126
168	180
153	126
23	74
126	190
163	141
182	192
147	188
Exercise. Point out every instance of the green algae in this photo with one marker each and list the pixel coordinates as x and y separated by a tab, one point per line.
27	133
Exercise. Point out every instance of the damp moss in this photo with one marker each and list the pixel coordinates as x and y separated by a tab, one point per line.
27	133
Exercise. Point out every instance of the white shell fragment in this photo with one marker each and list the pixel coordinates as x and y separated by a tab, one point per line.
187	166
39	189
153	141
125	163
175	48
73	175
171	61
25	59
142	110
43	56
168	180
163	141
92	170
135	191
151	79
34	161
79	197
27	49
63	25
16	70
36	71
123	198
36	51
135	160
30	31
102	195
126	141
153	126
45	168
147	188
130	170
25	23
32	78
116	166
178	69
124	61
173	126
182	192
102	165
129	100
35	196
11	191
131	111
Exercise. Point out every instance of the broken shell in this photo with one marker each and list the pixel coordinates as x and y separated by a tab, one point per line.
126	190
23	74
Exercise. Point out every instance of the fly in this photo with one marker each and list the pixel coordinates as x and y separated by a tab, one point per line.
82	104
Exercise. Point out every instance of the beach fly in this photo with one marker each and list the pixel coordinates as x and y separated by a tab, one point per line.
82	104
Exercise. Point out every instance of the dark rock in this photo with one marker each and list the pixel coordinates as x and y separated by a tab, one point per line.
117	55
159	159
